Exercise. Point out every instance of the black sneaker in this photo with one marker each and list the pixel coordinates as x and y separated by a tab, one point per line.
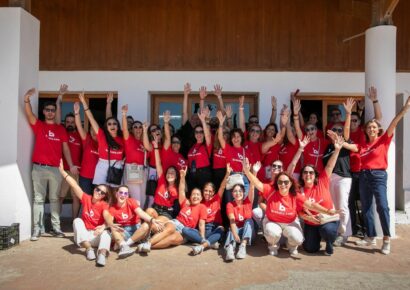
57	233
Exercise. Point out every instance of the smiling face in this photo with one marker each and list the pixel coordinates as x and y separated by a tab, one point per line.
199	134
238	192
309	176
137	130
336	116
255	133
112	126
175	144
354	122
196	196
69	123
122	195
284	184
100	192
277	167
270	131
372	130
209	191
171	175
312	119
236	139
49	112
311	131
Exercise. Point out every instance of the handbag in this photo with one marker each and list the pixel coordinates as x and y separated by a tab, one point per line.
233	180
135	173
326	218
114	174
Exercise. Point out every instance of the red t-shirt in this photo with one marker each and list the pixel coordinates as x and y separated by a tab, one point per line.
48	146
374	155
241	212
134	151
92	214
314	152
213	208
151	156
103	147
200	153
90	157
165	196
253	151
357	137
271	155
190	215
279	208
319	194
170	158
75	145
234	156
219	160
125	215
286	153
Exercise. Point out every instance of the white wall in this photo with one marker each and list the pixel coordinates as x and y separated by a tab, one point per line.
19	59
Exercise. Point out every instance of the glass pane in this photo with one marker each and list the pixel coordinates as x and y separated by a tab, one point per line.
176	113
213	107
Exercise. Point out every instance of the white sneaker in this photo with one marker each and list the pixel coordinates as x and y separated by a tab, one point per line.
273	250
90	254
241	254
293	251
386	247
340	241
125	251
230	256
196	250
215	246
36	234
366	242
101	260
146	247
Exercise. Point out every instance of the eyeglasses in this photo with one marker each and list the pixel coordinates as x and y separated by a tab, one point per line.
199	132
338	130
276	166
112	124
136	127
254	121
309	129
355	120
237	191
311	172
176	142
100	191
48	110
154	130
123	193
255	131
285	182
336	114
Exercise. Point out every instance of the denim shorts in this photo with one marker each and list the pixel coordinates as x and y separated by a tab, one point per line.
130	230
178	225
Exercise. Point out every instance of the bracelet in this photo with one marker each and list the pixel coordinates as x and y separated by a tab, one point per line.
86	109
374	102
76	114
65	177
156	148
26	102
150	221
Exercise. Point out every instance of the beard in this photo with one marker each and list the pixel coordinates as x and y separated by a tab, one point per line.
70	128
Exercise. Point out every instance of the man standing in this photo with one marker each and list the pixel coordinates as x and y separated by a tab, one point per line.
50	144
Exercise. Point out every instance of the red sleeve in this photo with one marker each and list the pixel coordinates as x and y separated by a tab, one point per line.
134	203
36	126
267	190
183	203
229	208
324	179
203	214
84	198
105	206
300	200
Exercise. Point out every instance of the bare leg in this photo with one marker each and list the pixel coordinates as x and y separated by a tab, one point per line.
141	233
118	237
169	230
174	239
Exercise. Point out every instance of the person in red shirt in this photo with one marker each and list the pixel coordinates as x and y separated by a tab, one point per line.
49	147
89	230
315	187
219	159
126	213
90	153
110	144
135	158
373	177
213	226
239	211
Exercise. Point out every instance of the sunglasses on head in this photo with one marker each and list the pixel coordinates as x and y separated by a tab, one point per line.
100	191
48	110
276	166
123	193
338	130
308	129
285	182
311	172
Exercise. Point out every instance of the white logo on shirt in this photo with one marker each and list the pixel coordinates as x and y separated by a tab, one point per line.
311	199
51	134
90	213
220	151
281	207
166	195
240	217
240	156
209	211
188	212
124	216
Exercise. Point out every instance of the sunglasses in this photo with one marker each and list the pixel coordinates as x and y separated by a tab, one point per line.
100	191
112	124
276	166
338	130
309	129
199	132
136	127
285	182
237	191
123	193
255	131
50	110
335	114
154	130
311	172
254	121
176	142
355	120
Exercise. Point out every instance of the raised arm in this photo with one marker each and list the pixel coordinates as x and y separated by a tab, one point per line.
158	164
61	93
125	132
87	111
222	187
228	111
295	160
218	94
220	134
187	91
32	119
182	182
296	117
255	169
71	181
167	131
274	110
77	119
202	95
348	105
108	107
145	138
399	116
376	105
338	143
242	113
202	116
252	178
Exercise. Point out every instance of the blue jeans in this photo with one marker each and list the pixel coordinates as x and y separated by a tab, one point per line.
213	233
314	234
130	230
227	197
374	183
245	232
192	235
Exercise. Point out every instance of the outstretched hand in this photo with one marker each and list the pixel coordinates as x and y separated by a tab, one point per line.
28	94
187	89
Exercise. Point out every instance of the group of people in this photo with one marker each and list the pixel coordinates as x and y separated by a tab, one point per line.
213	181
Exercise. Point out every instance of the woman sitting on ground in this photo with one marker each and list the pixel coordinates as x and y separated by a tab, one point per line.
89	230
126	213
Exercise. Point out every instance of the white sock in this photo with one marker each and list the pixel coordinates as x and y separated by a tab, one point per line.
129	242
123	243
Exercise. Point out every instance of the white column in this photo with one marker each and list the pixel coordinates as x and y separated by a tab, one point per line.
380	72
19	59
